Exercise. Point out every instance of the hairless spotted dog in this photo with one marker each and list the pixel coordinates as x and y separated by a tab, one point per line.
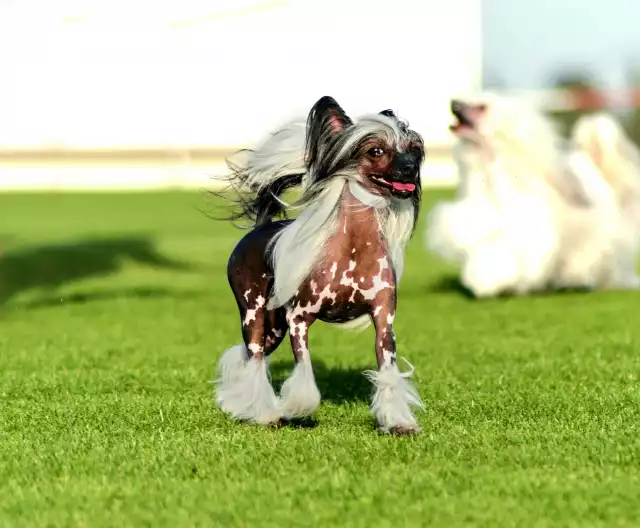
339	261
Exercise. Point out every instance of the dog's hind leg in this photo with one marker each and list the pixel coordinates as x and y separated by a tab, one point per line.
244	389
299	395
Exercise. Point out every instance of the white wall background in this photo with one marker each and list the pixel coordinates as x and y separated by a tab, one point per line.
124	73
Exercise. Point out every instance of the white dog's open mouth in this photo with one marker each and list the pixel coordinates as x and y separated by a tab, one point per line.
466	116
461	124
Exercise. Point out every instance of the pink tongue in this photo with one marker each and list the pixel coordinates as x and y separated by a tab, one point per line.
403	186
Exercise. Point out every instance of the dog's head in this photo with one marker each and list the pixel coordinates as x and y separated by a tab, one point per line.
469	118
494	126
500	121
379	151
517	136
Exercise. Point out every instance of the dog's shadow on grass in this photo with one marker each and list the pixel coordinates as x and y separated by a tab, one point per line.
49	267
452	284
138	293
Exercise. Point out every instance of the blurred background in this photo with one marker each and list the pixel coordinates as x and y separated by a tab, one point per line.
144	95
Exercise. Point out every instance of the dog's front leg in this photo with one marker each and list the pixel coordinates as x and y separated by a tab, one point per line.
394	394
300	396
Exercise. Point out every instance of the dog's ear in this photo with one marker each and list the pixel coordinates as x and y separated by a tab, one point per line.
329	116
326	120
404	126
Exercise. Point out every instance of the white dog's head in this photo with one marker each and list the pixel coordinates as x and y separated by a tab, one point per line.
516	135
503	126
604	140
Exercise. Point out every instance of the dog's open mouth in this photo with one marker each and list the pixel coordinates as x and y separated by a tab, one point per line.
397	188
461	124
462	121
466	115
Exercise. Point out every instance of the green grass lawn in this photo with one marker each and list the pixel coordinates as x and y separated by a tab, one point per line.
115	309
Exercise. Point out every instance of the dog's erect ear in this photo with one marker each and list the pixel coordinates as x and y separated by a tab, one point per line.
329	115
326	121
404	126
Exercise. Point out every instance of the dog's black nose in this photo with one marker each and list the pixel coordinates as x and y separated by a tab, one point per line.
408	170
406	166
457	106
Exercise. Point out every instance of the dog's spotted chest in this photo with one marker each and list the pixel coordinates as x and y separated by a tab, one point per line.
355	277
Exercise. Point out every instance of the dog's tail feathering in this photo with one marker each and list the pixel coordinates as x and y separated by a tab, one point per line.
260	176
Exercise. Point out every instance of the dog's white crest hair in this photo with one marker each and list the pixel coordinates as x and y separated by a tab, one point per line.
297	248
280	155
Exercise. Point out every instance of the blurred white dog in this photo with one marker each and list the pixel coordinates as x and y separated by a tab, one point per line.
607	163
530	216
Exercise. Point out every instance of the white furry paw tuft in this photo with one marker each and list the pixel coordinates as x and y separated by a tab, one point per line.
243	388
299	396
393	398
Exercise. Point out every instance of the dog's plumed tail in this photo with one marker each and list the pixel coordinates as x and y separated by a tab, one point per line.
603	139
262	175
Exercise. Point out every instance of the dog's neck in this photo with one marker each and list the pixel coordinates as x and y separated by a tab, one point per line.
357	223
365	197
389	221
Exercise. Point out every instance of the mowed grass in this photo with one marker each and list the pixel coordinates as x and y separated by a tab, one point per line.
115	309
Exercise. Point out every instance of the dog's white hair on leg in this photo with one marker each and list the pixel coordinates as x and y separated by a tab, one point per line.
340	259
244	389
394	396
299	395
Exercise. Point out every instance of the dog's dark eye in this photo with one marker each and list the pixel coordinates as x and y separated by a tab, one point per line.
375	152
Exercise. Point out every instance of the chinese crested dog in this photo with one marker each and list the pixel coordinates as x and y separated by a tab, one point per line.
338	261
531	215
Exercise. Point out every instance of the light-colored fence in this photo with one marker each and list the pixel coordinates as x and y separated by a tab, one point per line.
190	166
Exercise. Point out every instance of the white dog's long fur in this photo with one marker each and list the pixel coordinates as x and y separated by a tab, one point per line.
530	216
610	172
